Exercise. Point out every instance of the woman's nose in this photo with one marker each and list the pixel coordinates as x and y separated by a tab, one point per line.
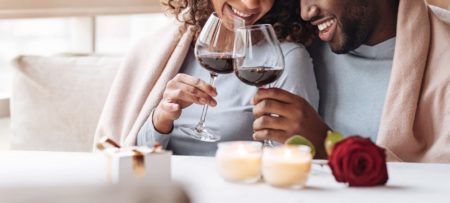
251	4
308	9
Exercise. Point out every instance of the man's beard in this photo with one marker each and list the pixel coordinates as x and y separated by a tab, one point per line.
357	24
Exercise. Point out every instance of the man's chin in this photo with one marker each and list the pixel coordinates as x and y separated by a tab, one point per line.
343	47
337	44
338	49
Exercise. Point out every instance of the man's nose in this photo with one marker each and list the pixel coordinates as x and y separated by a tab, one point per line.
251	4
308	9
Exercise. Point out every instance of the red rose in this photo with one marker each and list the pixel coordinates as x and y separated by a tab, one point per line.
359	162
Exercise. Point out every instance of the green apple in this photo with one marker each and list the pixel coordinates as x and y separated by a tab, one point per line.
331	140
300	140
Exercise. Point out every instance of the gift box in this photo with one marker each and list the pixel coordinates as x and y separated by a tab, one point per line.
131	164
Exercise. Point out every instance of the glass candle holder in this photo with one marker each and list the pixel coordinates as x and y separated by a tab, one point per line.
286	166
239	161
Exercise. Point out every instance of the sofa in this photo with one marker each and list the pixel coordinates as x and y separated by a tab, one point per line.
56	101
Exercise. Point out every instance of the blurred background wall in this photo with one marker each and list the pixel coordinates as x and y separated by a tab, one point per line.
50	27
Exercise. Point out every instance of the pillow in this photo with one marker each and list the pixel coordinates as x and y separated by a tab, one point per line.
56	101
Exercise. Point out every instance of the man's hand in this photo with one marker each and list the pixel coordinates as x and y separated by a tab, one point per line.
182	91
294	116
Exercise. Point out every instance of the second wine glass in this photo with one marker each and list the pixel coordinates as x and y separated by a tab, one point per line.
259	60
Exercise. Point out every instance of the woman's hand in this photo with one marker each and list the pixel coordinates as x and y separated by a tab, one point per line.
182	91
295	116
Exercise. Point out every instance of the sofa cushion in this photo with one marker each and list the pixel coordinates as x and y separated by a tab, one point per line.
56	101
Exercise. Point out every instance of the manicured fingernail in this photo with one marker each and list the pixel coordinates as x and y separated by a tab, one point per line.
212	103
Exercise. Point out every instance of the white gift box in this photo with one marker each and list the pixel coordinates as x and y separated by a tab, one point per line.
133	164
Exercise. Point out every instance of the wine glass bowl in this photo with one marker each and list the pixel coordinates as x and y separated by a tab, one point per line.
259	60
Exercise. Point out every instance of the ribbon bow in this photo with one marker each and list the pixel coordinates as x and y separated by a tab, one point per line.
138	153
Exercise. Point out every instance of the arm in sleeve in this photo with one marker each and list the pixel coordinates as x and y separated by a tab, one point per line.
148	135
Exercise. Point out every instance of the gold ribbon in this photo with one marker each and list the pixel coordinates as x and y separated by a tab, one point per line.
138	157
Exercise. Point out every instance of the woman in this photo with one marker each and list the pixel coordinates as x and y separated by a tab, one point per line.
186	85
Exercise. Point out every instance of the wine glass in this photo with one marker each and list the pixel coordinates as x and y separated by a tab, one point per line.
259	60
214	52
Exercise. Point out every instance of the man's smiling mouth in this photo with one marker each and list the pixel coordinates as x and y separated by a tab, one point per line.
326	24
327	28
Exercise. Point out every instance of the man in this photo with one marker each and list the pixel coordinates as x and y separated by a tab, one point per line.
383	71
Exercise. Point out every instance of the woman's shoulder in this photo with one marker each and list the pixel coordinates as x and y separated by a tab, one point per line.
291	48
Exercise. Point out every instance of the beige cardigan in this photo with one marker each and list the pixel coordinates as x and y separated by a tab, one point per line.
415	123
139	83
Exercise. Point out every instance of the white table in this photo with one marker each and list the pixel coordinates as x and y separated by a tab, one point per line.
407	182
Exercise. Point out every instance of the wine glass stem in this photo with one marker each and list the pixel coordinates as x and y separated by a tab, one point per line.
268	142
201	124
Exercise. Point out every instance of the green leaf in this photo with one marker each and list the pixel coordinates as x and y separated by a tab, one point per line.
300	140
331	140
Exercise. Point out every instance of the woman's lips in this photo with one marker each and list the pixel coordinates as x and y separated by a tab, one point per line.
241	14
233	12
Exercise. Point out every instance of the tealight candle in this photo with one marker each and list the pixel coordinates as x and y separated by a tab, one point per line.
286	166
239	161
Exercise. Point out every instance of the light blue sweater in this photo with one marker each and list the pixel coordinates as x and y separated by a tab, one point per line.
353	86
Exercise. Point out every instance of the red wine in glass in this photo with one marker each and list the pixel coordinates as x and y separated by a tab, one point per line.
258	76
217	63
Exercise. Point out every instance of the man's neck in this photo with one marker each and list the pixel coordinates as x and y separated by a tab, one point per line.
386	26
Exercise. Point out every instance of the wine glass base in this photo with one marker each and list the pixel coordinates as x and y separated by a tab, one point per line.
268	143
202	135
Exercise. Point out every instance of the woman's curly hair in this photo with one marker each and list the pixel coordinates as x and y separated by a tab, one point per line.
284	16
